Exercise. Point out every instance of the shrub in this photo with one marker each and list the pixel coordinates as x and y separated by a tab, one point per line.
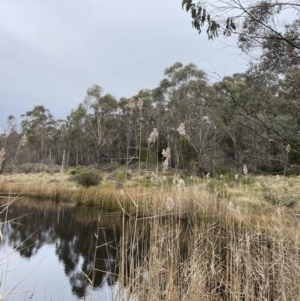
87	177
76	170
38	167
121	175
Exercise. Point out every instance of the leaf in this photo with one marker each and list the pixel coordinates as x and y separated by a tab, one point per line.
203	17
194	13
232	25
189	4
199	11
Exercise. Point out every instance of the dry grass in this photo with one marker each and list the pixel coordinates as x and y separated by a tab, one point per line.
228	257
246	194
214	240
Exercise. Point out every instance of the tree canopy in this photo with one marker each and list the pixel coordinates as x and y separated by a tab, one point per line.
256	23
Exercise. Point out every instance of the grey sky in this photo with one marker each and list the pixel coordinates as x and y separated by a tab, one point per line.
51	51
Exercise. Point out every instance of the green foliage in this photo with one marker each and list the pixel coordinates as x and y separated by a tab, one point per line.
120	178
87	177
186	151
278	199
215	185
76	170
247	180
201	17
121	175
36	168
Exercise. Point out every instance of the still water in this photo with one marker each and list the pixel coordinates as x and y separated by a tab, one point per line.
55	252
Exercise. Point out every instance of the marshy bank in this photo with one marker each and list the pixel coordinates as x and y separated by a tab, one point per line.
147	192
233	240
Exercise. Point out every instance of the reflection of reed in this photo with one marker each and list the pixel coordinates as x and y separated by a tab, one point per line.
220	254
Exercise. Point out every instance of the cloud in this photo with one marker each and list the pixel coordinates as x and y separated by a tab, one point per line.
52	51
9	47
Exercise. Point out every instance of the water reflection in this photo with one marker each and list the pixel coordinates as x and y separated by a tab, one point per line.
85	245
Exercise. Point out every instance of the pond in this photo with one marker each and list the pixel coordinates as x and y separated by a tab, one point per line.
58	252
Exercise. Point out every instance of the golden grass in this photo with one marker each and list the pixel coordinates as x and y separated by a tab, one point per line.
216	240
231	256
138	194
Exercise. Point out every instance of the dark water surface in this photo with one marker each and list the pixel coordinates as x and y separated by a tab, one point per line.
48	252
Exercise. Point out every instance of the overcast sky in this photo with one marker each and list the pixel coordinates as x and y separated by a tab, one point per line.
52	51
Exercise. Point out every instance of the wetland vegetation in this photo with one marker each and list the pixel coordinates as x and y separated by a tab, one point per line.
188	191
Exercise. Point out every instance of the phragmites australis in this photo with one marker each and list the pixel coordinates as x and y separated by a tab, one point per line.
23	140
236	177
167	154
131	104
153	136
245	170
232	208
165	164
169	204
181	129
181	185
140	104
175	178
2	156
155	179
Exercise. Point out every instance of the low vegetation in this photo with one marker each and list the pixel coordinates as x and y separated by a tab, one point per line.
190	238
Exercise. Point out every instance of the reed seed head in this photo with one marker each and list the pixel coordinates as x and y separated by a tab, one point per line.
245	169
153	136
181	185
140	104
175	178
155	179
23	140
166	164
230	206
131	104
2	156
169	204
181	130
166	153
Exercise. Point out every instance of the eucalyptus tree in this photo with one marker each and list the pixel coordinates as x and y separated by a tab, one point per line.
99	114
136	119
254	22
39	127
236	100
11	144
273	41
76	137
60	150
187	97
260	123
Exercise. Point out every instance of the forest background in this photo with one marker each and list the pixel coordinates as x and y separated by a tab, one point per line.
249	118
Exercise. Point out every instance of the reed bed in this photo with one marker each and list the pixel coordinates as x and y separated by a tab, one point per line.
232	256
200	242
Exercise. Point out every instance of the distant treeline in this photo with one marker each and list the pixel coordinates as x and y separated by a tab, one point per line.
251	118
